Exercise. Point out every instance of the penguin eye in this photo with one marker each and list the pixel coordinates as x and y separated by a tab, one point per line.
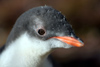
41	31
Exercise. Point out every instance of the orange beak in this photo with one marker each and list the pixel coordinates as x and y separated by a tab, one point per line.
70	40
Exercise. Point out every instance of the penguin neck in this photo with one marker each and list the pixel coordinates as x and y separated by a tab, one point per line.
25	52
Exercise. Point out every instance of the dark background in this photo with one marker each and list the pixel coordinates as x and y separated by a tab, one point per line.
84	15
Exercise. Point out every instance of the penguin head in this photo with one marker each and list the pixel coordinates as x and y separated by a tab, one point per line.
45	25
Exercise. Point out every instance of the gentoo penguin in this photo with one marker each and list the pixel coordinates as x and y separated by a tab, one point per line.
37	33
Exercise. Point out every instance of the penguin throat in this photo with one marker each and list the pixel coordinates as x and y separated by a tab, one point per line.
25	52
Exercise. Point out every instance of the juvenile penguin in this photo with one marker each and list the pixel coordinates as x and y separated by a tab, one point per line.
37	33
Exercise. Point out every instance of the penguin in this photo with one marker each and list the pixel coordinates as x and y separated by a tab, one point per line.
35	35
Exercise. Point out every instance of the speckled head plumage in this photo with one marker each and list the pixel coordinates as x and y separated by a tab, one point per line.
44	17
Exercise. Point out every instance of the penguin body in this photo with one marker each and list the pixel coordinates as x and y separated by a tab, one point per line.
36	33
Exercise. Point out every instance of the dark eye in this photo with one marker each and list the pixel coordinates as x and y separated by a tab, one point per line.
41	31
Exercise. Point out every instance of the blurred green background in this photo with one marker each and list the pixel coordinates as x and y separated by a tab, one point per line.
83	15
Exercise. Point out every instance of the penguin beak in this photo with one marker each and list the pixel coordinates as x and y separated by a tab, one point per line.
70	40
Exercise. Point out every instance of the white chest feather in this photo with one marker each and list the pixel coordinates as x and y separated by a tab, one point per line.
26	52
